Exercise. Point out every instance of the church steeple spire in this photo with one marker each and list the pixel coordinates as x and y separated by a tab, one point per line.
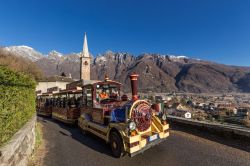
85	51
85	61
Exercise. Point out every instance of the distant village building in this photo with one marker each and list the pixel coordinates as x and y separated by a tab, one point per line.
243	112
51	82
227	106
182	107
158	98
187	115
182	113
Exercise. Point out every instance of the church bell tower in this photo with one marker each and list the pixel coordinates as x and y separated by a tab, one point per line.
85	61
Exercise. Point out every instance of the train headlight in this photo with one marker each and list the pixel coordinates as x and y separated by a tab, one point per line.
164	117
132	125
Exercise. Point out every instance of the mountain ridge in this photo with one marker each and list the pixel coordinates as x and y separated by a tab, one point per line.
158	73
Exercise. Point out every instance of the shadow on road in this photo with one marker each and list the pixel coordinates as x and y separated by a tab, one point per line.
100	145
231	140
88	140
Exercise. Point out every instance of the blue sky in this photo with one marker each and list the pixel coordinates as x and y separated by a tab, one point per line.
215	30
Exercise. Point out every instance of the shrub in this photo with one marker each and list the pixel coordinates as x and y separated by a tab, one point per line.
17	102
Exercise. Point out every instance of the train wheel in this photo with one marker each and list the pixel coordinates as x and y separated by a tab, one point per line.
84	132
116	145
81	127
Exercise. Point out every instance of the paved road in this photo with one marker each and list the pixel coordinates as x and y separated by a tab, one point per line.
66	146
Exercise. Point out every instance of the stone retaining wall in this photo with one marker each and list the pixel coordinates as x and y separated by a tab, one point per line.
20	147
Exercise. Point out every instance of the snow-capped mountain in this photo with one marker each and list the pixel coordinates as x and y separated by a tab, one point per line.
25	52
55	55
158	73
33	55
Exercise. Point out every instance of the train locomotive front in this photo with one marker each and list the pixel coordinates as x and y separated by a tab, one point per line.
129	126
143	127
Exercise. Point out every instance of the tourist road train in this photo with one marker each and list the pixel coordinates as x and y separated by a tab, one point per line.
130	126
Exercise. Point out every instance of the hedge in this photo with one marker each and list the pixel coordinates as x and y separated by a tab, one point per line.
17	102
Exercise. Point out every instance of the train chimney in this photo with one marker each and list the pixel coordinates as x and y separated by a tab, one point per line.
134	86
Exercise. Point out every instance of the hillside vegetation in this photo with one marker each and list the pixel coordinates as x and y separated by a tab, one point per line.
20	64
17	102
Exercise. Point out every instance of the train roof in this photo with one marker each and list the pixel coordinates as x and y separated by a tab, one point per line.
46	94
106	82
70	91
74	88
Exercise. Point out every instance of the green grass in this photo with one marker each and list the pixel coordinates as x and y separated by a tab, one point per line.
39	135
36	155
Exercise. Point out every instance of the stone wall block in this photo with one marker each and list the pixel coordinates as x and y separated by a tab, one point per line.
17	151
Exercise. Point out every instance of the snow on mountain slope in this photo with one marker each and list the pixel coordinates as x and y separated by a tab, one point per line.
177	57
35	56
25	52
55	55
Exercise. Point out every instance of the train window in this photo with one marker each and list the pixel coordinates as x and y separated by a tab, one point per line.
72	101
46	102
50	101
78	95
63	99
64	102
55	100
88	93
108	92
78	100
58	102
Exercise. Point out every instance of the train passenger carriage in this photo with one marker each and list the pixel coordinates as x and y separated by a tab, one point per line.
66	105
44	104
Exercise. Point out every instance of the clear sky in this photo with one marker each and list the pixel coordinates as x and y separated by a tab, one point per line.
215	30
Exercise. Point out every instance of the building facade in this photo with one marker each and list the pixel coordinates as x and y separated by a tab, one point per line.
53	81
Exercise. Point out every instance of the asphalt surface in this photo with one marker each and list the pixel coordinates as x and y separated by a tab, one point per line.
66	146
